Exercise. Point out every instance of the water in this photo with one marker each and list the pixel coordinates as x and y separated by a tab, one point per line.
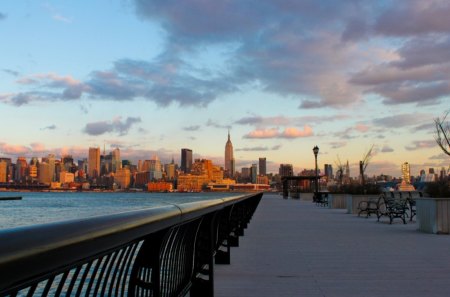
45	207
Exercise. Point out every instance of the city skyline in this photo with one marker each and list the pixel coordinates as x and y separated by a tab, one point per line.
151	78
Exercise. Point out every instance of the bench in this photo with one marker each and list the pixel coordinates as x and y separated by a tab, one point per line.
321	199
412	202
368	206
393	205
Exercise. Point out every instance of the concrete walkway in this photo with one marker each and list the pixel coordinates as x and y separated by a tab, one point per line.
294	248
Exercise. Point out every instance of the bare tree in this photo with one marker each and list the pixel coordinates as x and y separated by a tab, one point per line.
442	136
364	163
340	170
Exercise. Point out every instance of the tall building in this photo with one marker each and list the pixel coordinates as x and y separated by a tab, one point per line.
123	178
286	170
94	162
262	166
3	172
186	160
254	173
229	158
44	173
328	171
21	169
116	162
406	172
51	165
155	168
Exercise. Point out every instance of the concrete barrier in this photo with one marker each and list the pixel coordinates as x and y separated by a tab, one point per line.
337	201
433	215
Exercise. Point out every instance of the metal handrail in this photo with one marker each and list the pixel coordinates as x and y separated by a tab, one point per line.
106	248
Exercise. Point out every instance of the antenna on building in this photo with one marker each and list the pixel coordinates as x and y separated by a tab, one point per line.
104	148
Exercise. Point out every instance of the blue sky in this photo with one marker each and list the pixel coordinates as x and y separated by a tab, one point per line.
152	77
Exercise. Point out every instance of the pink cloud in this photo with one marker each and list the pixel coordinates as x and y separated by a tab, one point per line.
292	132
362	128
289	132
263	133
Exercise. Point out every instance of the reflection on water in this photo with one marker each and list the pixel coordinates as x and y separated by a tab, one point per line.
37	208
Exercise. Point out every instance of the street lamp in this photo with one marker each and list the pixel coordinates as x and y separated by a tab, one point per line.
316	152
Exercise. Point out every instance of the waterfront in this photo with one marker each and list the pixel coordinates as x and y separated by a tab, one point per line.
45	207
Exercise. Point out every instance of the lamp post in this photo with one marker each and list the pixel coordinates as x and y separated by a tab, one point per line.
316	152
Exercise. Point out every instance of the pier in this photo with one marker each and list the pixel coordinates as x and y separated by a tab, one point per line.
294	248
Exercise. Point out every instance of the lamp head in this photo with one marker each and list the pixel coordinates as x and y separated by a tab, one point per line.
316	150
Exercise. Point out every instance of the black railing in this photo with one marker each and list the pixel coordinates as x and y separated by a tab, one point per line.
165	251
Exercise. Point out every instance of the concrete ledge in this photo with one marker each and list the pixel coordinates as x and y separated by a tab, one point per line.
338	201
433	215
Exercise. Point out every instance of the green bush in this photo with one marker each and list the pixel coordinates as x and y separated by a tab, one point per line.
356	189
440	189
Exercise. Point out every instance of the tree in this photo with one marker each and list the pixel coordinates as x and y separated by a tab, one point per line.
340	170
364	163
442	136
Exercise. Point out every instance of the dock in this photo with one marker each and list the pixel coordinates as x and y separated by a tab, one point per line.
11	198
295	248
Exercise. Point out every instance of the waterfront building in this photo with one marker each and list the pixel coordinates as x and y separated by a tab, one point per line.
9	168
254	173
94	162
159	187
192	183
169	170
66	177
406	172
155	168
186	160
51	163
123	178
3	171
262	179
229	158
44	173
262	166
328	170
139	166
115	160
286	170
33	172
21	169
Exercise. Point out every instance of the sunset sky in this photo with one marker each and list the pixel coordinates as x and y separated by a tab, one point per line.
152	77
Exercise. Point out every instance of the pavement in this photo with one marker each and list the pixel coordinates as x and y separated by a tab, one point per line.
295	248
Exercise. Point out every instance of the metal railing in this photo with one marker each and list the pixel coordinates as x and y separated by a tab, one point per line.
164	251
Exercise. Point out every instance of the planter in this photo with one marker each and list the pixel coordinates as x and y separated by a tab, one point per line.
337	201
354	200
306	196
433	215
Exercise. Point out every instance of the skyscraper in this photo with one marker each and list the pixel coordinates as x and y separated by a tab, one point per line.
328	171
254	173
286	170
94	162
186	160
406	172
116	162
262	166
229	158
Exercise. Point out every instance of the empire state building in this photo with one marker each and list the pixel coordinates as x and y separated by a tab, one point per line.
229	159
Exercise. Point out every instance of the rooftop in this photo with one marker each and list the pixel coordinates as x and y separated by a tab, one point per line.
294	248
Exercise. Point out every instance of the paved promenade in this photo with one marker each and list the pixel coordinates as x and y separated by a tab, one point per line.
294	248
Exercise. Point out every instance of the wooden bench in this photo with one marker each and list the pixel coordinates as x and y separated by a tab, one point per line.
412	202
393	205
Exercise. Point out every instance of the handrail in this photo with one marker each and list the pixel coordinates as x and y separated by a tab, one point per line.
35	254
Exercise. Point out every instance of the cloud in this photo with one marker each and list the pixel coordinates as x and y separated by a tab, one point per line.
401	120
418	145
116	125
362	128
11	72
211	123
387	149
337	144
192	128
439	157
260	121
258	149
51	127
289	133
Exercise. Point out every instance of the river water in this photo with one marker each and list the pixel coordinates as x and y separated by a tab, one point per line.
45	207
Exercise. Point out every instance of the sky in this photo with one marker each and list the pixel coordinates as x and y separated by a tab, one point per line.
152	77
